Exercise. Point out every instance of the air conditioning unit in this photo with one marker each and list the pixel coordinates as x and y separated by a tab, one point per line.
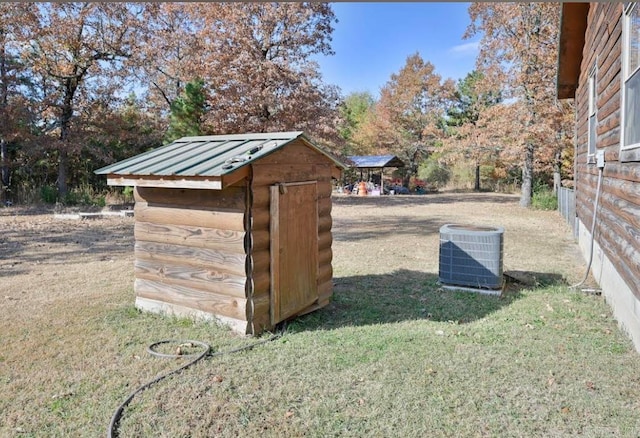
471	257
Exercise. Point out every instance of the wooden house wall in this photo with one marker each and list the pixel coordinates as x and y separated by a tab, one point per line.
295	162
190	249
618	227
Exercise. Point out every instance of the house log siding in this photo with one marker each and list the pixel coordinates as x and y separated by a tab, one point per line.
190	249
294	163
618	220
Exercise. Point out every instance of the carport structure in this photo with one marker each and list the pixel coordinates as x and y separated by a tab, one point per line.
374	162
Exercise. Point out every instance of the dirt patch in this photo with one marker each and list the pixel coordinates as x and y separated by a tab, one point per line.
383	234
372	235
47	260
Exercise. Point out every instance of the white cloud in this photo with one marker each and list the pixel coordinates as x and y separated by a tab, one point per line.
466	48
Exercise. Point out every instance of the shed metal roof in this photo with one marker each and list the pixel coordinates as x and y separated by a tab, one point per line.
207	156
375	161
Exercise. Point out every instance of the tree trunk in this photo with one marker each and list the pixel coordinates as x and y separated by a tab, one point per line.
4	101
527	176
66	114
63	164
477	183
406	179
411	170
4	171
557	177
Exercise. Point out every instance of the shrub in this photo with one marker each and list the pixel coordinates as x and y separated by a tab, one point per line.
48	194
71	198
84	195
436	174
127	193
544	200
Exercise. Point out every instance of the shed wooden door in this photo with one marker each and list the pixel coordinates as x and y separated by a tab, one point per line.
294	248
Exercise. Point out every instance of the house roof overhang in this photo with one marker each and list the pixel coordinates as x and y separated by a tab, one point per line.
573	25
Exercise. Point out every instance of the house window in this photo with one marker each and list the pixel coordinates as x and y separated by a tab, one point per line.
630	136
593	117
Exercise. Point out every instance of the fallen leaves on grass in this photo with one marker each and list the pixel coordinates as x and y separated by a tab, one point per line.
551	381
289	414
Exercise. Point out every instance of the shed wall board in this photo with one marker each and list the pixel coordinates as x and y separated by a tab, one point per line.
220	261
183	274
192	236
232	198
190	251
154	306
215	303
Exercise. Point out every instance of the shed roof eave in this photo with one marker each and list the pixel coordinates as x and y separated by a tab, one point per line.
288	135
169	183
339	164
566	91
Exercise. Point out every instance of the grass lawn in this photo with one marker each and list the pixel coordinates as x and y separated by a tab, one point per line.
393	355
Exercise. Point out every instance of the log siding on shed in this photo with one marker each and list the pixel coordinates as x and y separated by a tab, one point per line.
297	163
204	228
190	250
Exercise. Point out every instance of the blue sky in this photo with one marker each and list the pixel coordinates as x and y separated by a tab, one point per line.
373	40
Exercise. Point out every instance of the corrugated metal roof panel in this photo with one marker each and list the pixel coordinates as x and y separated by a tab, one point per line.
214	155
181	163
138	162
374	161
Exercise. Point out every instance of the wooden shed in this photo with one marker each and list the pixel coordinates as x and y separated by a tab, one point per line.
599	67
235	228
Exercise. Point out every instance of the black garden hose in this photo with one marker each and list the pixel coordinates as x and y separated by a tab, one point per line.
112	431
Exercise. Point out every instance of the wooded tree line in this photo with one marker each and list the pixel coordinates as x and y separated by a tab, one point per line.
503	116
85	84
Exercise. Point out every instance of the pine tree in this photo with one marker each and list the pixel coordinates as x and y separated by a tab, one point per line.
471	100
187	112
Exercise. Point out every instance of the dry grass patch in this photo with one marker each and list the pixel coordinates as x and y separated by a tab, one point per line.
392	355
